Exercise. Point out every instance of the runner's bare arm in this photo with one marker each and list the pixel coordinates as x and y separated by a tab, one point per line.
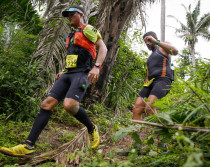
165	47
147	79
102	50
171	50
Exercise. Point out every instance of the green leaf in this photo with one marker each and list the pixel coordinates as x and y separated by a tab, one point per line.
136	137
150	139
193	113
166	117
194	160
125	131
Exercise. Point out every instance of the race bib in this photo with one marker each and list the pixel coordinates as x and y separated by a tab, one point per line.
147	84
71	61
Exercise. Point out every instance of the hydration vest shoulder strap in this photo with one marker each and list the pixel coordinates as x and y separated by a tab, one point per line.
68	38
84	26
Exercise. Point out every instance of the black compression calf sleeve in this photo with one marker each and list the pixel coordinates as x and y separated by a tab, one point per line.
39	124
82	116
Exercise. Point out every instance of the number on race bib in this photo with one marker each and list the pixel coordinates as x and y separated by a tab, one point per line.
71	61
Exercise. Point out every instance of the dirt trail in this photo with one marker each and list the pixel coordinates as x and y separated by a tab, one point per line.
106	146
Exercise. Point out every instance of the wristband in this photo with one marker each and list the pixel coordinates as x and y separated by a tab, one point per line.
98	65
157	42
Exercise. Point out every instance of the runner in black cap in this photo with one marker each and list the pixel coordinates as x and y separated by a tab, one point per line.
71	83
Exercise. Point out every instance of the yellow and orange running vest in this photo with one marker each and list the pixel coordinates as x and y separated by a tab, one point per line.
79	39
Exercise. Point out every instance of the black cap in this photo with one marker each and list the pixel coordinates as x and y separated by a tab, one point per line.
72	9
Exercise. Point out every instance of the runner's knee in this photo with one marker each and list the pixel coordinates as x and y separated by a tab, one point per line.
49	103
138	107
148	108
71	108
139	104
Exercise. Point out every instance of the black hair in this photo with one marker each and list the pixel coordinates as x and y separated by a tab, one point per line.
153	34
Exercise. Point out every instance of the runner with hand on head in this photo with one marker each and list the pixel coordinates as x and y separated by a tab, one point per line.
159	75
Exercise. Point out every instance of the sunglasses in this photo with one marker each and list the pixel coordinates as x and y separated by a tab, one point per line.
71	13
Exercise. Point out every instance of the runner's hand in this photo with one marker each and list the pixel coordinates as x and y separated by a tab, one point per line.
93	75
59	75
151	40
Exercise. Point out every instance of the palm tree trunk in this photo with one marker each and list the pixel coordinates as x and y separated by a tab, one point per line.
192	46
163	20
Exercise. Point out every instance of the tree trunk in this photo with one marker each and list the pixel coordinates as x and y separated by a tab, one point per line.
192	46
117	15
163	20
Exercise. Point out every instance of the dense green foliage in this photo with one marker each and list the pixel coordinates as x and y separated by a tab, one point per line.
191	108
22	13
188	102
188	149
184	62
19	81
129	69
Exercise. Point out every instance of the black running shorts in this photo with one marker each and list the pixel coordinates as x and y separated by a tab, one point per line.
71	85
159	87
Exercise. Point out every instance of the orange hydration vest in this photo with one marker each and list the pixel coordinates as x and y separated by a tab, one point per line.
81	40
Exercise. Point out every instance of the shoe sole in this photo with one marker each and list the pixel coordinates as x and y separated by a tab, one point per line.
95	146
15	155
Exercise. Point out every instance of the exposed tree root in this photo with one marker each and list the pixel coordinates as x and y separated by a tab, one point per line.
177	127
62	154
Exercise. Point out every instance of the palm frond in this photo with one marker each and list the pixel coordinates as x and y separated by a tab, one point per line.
196	12
190	22
182	30
51	50
184	7
182	24
204	22
194	28
205	34
49	4
189	18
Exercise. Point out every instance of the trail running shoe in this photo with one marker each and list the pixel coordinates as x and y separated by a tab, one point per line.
22	150
94	138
